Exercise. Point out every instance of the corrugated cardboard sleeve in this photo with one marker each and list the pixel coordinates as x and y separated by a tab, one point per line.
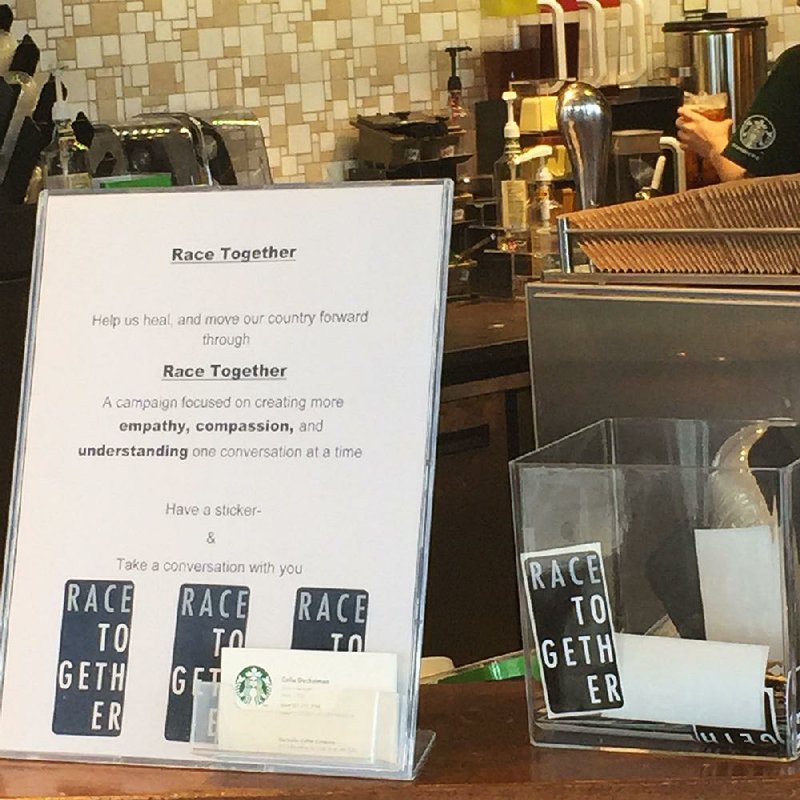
755	203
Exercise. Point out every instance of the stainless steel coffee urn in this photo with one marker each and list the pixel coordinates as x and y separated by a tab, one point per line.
719	54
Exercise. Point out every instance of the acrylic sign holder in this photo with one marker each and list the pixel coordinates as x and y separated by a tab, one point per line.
213	380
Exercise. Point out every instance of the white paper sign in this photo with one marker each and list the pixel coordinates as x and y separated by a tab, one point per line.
741	583
691	682
228	438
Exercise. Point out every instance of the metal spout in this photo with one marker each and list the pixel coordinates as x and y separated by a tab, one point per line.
584	120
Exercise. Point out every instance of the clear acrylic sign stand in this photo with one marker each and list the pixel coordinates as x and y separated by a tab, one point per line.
219	527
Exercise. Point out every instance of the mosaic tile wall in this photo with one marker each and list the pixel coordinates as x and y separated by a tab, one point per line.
304	66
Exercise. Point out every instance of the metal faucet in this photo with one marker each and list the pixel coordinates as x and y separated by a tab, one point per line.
584	120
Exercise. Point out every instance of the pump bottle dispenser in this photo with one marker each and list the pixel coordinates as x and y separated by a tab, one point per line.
8	44
454	85
510	190
545	251
65	161
543	232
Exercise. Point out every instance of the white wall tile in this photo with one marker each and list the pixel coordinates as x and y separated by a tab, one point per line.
134	48
231	37
313	96
419	87
88	52
110	45
252	39
310	67
163	31
197	101
205	8
49	13
210	43
363	32
195	76
299	138
324	33
81	14
145	21
175	9
140	75
127	22
431	27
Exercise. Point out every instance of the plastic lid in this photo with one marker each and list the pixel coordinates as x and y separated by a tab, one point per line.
511	129
26	57
6	17
714	22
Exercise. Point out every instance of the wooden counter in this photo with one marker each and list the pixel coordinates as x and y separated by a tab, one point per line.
481	751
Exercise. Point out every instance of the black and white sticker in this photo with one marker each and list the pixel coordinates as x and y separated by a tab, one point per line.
330	619
93	658
571	617
739	740
209	617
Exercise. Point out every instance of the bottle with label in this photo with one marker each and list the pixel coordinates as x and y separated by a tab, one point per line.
18	95
455	87
8	44
65	161
510	190
545	252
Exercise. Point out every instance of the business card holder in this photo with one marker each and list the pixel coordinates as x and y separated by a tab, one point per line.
659	584
345	732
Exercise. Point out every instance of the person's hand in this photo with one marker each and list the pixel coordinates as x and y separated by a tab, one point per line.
703	136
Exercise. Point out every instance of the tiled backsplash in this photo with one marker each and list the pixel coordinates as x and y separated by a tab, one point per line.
304	66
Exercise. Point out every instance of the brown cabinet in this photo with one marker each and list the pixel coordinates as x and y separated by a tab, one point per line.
472	610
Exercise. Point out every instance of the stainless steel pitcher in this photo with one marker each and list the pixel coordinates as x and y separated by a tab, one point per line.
717	54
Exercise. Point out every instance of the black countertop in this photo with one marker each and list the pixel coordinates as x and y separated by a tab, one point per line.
484	339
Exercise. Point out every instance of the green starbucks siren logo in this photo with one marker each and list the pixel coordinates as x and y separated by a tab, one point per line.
253	686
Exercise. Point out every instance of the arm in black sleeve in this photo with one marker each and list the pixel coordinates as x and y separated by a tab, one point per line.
767	141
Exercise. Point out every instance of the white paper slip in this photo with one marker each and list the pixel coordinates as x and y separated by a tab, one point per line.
308	703
691	682
741	585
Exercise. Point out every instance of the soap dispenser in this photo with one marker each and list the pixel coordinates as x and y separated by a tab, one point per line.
511	190
545	252
65	161
8	44
18	95
543	232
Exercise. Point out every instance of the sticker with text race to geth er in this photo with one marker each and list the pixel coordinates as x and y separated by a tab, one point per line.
330	619
768	742
571	616
93	658
209	617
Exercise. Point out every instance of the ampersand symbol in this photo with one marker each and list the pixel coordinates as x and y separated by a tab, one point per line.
210	538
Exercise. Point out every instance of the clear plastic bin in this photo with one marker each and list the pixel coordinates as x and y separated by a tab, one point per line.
658	568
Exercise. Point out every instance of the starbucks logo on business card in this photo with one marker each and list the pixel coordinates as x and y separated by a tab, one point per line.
253	686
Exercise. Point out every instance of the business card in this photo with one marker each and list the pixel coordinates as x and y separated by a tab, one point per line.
309	704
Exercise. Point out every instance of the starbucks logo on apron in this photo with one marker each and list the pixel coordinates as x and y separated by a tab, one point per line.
253	686
757	133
